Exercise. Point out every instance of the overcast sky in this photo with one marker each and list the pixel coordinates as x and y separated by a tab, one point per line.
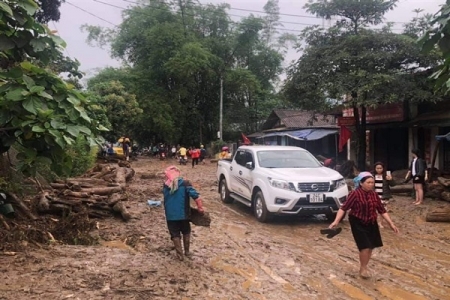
92	58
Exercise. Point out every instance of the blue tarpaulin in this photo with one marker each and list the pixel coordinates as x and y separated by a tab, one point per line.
443	137
303	134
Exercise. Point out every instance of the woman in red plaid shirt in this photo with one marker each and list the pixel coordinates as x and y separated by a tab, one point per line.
364	205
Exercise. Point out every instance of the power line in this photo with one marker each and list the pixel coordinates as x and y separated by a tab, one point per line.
203	5
263	12
281	14
90	13
168	10
123	8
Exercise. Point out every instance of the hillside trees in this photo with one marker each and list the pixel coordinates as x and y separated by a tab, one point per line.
438	37
39	112
178	53
354	65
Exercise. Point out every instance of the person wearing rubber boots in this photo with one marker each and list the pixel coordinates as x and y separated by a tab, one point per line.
177	193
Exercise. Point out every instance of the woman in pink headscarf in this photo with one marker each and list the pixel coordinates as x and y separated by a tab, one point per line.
177	193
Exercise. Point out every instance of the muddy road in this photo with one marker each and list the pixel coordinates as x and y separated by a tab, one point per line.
237	258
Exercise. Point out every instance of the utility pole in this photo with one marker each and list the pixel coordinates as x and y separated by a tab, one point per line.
221	109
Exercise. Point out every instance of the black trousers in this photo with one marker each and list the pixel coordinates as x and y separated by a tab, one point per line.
177	227
195	160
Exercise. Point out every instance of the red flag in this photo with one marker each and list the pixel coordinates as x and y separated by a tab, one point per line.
245	139
344	135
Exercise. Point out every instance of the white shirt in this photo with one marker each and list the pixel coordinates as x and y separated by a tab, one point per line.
413	169
379	184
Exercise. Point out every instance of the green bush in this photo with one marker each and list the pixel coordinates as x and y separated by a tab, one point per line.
217	146
83	156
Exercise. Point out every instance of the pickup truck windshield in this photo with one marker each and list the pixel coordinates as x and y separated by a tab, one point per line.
287	159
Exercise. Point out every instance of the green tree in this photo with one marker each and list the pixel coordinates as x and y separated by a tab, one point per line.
179	52
39	112
121	108
437	37
354	65
48	10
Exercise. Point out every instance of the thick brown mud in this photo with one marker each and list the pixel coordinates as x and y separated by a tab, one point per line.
237	258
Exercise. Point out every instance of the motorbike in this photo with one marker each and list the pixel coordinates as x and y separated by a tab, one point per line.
183	160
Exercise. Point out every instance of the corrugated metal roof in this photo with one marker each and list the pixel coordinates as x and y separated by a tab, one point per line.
290	119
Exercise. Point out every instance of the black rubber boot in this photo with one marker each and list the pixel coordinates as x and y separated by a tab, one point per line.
178	249
186	244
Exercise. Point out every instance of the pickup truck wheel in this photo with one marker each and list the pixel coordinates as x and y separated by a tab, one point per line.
224	192
260	209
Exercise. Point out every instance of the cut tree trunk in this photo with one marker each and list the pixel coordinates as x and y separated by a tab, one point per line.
106	170
402	188
116	198
103	190
82	181
120	208
94	169
19	203
121	176
438	216
125	164
445	196
444	181
61	209
58	185
67	202
2	220
130	174
101	206
434	191
76	194
44	203
100	214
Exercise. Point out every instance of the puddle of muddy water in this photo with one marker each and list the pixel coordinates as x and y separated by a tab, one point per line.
249	273
235	230
350	290
117	244
392	292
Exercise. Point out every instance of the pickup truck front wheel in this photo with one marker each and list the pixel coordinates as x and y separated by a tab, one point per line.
224	192
260	209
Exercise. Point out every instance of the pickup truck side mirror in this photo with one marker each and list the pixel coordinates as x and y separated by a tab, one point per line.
249	165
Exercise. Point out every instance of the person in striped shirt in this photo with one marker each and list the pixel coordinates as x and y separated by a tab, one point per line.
383	182
364	205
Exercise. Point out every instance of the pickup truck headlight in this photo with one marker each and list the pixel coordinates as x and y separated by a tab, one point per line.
281	184
337	184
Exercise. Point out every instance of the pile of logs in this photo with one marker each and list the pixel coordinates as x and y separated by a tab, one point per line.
439	189
101	191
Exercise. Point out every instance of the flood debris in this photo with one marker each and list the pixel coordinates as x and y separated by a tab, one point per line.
101	191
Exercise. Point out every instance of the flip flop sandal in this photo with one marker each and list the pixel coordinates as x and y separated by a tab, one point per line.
331	232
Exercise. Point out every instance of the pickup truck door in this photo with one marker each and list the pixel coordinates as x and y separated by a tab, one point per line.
241	182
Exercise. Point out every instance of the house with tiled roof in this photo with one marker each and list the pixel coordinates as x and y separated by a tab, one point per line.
315	132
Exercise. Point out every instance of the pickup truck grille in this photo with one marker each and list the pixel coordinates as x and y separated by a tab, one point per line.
314	187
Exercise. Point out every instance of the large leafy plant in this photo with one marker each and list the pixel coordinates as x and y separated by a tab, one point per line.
39	111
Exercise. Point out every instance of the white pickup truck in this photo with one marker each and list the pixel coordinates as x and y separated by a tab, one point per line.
283	180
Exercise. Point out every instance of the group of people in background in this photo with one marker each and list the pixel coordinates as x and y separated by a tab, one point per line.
177	152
